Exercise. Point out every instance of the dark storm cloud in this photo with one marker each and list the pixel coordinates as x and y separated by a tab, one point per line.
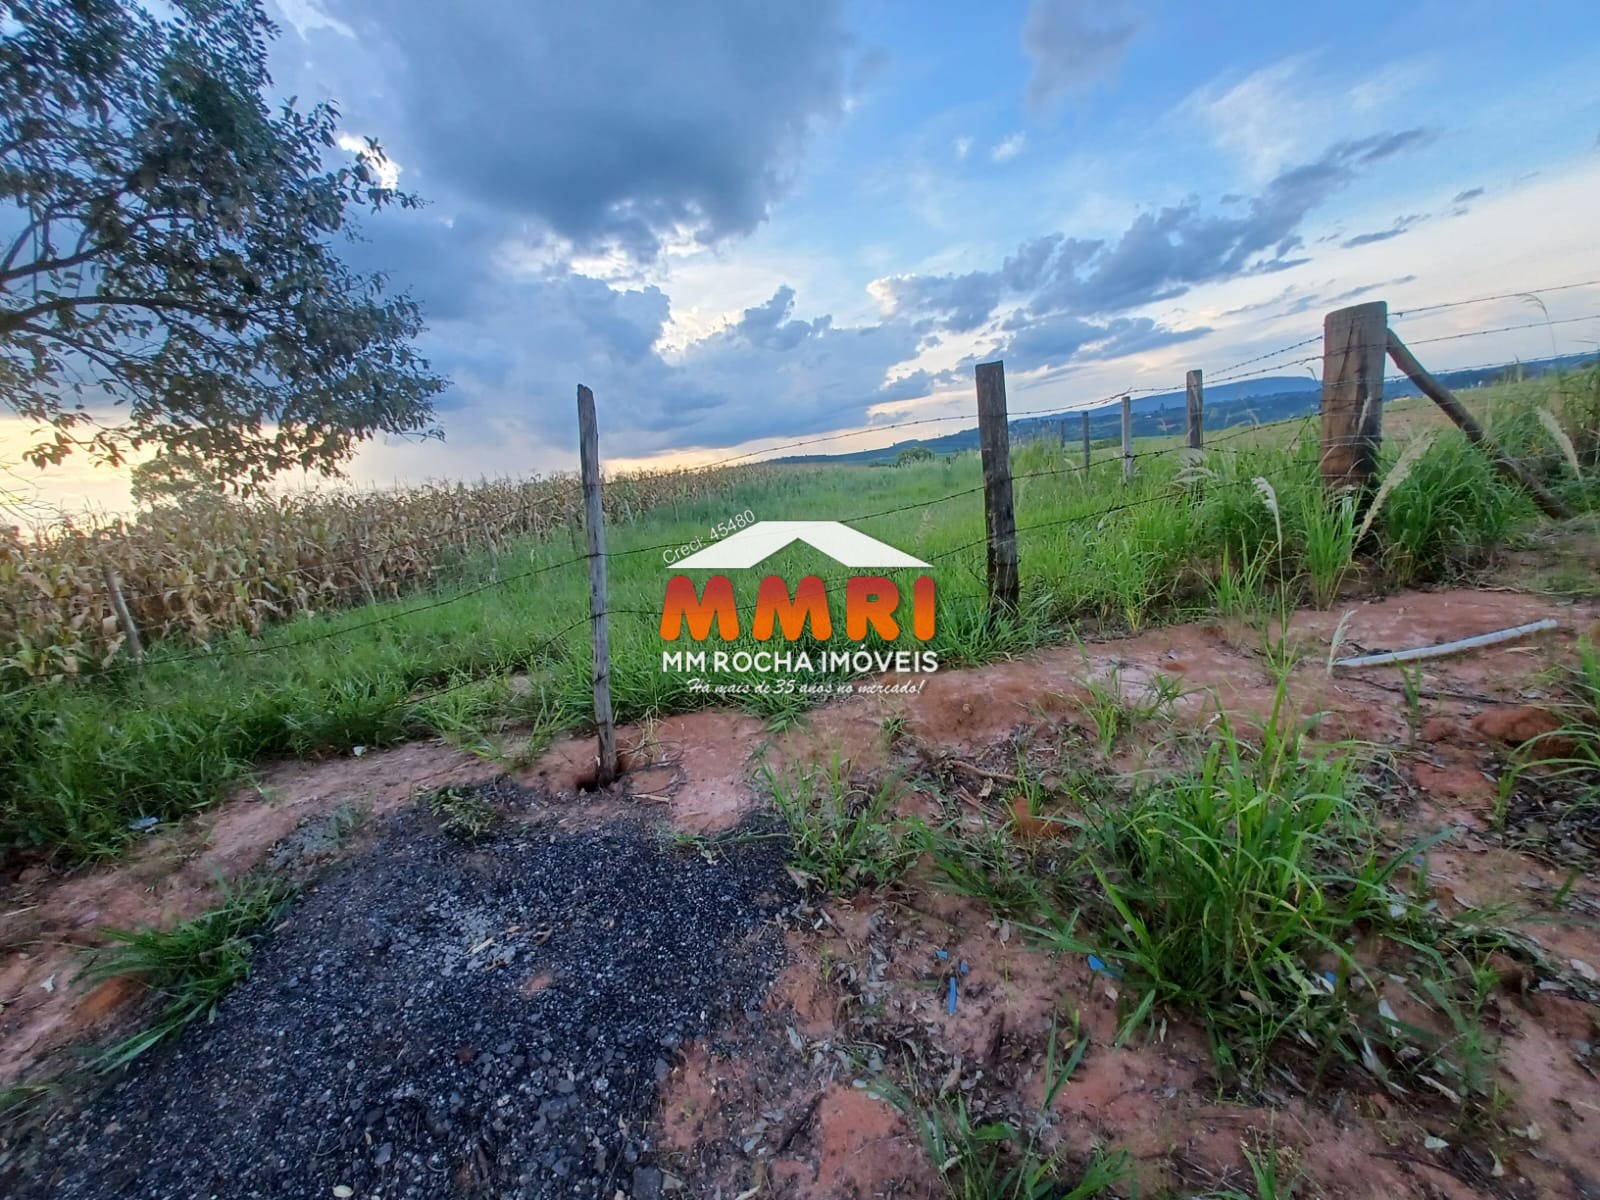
537	131
1160	255
614	122
768	325
1074	44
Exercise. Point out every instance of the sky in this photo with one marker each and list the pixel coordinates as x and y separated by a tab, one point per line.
745	224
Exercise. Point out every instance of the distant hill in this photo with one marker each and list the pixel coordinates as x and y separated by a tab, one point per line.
1252	401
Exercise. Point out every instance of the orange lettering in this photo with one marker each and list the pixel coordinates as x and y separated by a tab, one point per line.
683	605
773	605
871	600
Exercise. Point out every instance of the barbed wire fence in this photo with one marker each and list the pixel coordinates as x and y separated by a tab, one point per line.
1106	409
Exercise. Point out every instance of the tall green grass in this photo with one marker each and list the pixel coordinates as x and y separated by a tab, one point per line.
1231	889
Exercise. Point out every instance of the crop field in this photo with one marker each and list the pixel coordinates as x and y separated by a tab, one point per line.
1135	897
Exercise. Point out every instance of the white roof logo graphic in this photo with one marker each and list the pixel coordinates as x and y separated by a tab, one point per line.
765	538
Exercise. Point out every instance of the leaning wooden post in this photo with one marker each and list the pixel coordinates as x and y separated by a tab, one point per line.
1127	439
1194	394
119	605
1000	518
1353	343
595	526
1087	446
1508	467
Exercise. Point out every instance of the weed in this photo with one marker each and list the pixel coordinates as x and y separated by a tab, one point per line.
1240	592
1411	687
1271	1172
844	836
463	814
1221	888
1113	713
998	1161
1330	539
1565	762
191	966
713	846
987	863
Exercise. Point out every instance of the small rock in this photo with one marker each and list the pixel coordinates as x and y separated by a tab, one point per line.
646	1183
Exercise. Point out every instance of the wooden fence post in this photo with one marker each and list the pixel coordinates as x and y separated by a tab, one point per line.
999	512
1508	467
1127	439
119	605
594	524
1354	341
1194	394
1087	447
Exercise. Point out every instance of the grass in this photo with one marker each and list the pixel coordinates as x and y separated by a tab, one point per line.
1113	712
842	834
1230	890
80	760
998	1160
463	813
1564	763
190	966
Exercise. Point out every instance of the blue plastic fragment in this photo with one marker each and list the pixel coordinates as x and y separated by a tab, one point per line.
941	953
951	1007
140	824
1103	968
963	966
1330	978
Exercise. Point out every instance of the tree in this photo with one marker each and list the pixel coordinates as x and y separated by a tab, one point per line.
171	280
168	481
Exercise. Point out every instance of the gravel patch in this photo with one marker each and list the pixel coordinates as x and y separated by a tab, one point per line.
437	1019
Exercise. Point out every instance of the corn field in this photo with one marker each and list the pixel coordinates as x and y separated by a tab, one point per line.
206	570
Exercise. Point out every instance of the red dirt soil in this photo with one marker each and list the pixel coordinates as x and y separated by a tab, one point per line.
1154	1099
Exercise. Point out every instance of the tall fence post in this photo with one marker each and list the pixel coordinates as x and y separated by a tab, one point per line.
1354	341
1000	518
594	524
1087	446
1127	439
1194	395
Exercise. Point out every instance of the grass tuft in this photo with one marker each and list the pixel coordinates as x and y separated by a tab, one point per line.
190	966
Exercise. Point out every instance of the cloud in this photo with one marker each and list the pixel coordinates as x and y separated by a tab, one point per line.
1074	44
1160	255
962	147
613	124
1050	343
1008	147
1272	116
1383	235
1469	194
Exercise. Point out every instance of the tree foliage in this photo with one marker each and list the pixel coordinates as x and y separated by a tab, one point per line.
169	276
